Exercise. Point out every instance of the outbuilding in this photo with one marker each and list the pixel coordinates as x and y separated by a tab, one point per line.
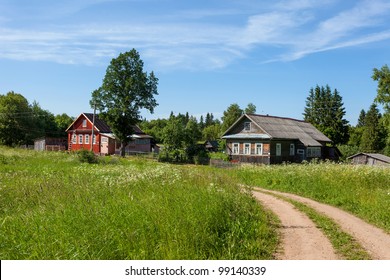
370	159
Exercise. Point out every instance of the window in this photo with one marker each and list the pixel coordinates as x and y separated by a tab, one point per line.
259	149
236	148
278	149
86	138
84	123
247	149
313	152
94	139
292	149
104	140
80	139
247	126
74	139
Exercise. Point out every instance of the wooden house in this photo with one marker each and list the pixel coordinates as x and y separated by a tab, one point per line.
103	142
268	140
370	159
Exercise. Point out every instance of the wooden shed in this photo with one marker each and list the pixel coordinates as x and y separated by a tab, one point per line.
370	159
50	144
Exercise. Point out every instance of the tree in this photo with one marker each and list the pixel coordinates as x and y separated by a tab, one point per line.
325	110
62	121
126	89
382	76
373	132
212	132
230	116
250	109
15	119
361	120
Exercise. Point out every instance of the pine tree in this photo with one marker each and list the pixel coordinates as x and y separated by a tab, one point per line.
373	131
325	110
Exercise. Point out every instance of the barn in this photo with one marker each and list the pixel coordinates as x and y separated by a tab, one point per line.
370	159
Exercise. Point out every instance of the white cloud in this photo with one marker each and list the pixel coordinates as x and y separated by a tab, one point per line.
293	29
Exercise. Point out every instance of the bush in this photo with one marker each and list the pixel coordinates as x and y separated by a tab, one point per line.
220	155
87	156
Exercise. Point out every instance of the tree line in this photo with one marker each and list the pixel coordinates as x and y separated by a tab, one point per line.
325	110
22	122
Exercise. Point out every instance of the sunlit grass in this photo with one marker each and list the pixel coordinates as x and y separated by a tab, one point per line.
54	207
362	190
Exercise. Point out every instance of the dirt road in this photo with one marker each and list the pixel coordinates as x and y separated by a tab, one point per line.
374	240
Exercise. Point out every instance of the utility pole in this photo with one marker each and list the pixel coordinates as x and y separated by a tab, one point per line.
93	125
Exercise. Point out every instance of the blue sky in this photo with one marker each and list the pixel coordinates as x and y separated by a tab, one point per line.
206	54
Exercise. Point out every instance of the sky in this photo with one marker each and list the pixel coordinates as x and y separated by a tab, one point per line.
206	54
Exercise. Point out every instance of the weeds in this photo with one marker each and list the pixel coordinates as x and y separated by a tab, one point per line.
54	207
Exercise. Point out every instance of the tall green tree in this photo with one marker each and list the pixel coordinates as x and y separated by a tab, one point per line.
15	119
325	110
63	121
126	89
373	132
382	76
250	109
231	115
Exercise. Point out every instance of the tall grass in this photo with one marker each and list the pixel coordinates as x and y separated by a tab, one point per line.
362	190
54	207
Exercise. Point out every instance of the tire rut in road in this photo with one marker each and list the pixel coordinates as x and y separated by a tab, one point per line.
301	239
374	240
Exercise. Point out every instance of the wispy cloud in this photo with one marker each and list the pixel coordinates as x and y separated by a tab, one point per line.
293	29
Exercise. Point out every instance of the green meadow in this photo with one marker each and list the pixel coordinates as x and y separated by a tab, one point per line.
361	190
54	207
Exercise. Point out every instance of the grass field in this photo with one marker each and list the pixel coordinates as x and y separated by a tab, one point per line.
361	190
54	207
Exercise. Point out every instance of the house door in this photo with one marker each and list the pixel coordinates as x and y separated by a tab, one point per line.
104	145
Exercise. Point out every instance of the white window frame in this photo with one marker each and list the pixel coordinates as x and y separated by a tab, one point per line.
104	139
84	123
247	126
292	149
80	139
86	138
278	149
313	152
235	148
247	148
74	139
259	148
94	139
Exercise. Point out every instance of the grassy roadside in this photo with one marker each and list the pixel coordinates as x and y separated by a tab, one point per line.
343	243
54	207
361	190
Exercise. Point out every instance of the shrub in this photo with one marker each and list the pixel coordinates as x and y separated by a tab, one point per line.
87	156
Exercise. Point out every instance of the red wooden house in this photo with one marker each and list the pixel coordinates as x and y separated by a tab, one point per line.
103	142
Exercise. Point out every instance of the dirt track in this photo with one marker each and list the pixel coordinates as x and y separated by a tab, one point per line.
302	240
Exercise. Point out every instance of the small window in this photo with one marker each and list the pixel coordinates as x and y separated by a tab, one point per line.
87	139
278	149
292	149
247	126
80	139
236	148
104	140
84	123
247	149
259	148
94	139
